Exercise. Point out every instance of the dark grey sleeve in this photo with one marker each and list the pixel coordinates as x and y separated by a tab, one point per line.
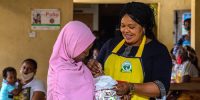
161	71
161	87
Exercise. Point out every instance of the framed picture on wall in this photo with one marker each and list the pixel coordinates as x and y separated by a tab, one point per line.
45	19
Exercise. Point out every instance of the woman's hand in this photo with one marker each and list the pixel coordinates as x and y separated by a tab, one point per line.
126	97
95	67
122	88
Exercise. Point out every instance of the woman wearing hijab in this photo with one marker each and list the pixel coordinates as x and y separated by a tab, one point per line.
68	77
139	62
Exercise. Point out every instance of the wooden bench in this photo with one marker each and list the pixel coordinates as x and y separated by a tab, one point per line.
189	90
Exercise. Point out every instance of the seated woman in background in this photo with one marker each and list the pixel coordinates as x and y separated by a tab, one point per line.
193	57
32	89
184	68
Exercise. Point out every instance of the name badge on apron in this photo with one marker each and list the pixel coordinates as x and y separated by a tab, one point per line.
126	67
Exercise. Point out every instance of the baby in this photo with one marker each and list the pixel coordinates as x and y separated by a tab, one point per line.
9	85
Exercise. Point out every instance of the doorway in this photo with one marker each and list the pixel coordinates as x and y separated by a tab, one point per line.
179	17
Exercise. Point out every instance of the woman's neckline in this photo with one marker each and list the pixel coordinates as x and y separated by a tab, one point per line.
148	41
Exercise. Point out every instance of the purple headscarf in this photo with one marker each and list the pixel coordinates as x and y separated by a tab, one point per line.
67	79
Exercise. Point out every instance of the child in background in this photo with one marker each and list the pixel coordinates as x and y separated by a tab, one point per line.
9	85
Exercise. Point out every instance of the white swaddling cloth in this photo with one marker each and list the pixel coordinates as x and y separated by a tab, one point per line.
104	88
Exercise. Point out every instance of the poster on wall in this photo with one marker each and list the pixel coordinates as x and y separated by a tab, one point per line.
45	19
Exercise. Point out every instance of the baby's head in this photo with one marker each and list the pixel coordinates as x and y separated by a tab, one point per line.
10	74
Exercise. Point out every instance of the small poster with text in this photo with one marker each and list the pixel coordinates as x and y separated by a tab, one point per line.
45	19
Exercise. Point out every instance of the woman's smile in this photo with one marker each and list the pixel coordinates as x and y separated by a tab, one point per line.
128	36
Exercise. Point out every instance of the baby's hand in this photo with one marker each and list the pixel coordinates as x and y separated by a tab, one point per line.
15	91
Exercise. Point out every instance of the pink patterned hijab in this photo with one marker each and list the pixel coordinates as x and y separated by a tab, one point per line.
67	79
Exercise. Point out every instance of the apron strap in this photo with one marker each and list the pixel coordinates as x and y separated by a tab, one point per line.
140	49
118	46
